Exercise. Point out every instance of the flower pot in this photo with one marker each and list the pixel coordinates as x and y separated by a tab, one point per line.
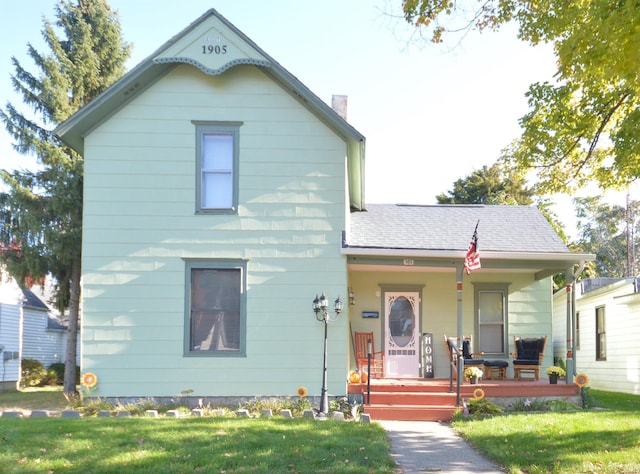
473	380
553	379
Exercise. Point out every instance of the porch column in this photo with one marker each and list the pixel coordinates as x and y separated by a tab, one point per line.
460	363
570	311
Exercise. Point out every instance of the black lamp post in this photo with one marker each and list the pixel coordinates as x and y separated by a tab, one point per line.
320	308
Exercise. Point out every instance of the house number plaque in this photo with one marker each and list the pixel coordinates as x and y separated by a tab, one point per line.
214	45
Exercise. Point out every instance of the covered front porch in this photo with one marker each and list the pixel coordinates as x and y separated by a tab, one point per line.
436	399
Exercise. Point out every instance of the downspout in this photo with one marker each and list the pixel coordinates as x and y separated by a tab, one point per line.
571	320
570	299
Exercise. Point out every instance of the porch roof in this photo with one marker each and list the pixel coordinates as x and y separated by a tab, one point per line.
509	237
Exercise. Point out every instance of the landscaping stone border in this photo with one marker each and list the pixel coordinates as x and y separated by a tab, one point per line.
311	414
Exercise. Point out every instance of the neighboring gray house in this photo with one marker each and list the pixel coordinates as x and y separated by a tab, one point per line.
607	328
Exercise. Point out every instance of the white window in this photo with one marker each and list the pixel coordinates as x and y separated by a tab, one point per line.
217	167
215	321
601	334
491	320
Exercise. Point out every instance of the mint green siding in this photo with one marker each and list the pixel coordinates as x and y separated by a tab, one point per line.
140	225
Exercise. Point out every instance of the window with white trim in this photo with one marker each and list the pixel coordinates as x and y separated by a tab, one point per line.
577	330
215	307
601	334
491	320
217	154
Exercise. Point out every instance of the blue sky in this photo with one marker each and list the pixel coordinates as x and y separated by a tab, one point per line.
431	114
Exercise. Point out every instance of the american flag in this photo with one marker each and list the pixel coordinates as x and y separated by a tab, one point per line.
472	259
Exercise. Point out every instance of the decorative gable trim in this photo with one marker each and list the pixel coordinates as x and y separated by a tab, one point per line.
213	29
209	71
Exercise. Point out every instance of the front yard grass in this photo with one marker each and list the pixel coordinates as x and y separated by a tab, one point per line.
36	398
602	441
178	445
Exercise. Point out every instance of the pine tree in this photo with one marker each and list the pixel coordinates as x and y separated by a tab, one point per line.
42	209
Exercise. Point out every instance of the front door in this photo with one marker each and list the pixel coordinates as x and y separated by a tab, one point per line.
402	330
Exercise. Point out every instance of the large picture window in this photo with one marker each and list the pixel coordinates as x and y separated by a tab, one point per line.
217	166
491	321
215	308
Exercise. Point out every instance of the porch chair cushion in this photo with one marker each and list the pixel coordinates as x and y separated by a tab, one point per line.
499	367
496	363
468	356
528	351
528	356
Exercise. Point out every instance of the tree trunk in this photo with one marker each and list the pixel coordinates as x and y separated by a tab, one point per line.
70	381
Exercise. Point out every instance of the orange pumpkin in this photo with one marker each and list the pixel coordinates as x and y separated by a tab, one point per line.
364	377
354	377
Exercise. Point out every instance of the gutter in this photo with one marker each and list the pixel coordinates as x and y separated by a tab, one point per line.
460	255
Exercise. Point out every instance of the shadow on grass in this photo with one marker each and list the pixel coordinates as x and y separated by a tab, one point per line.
192	444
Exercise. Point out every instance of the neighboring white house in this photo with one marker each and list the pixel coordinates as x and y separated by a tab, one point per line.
44	335
29	329
10	334
607	328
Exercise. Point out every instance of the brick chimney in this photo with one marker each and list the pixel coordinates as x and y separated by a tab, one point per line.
339	104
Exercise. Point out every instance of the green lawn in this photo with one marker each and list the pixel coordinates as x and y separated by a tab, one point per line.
568	442
604	440
45	398
179	445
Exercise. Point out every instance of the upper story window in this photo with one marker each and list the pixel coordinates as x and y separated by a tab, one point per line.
217	154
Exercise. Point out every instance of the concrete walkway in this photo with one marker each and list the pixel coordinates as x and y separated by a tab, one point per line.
430	446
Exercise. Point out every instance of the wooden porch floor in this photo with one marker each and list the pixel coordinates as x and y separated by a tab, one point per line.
432	400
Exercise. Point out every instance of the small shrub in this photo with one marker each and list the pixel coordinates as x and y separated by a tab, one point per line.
561	405
33	373
482	406
343	405
92	406
297	406
256	405
587	398
521	405
56	371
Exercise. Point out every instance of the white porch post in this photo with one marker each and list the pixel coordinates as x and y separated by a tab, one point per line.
570	325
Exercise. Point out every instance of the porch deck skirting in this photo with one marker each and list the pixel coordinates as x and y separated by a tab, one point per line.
431	399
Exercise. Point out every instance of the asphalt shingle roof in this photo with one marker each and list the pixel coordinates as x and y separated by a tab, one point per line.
450	227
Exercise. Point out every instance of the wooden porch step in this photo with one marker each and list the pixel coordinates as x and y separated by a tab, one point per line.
413	398
410	412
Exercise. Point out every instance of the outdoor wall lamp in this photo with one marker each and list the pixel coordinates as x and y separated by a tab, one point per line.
320	308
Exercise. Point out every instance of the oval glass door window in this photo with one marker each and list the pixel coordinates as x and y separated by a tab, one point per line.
401	321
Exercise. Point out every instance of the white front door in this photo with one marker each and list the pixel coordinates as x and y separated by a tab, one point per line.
402	334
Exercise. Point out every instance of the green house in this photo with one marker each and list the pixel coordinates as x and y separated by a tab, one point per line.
222	197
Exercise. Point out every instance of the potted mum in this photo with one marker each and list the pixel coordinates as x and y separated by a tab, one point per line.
554	372
473	374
